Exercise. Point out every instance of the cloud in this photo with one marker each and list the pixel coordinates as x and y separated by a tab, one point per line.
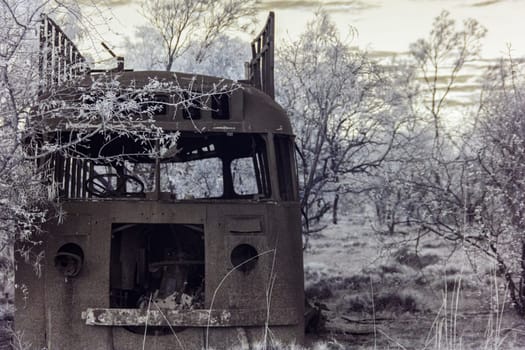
108	3
473	3
120	2
267	5
328	5
486	3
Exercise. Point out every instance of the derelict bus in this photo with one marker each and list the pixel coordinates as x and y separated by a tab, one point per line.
197	246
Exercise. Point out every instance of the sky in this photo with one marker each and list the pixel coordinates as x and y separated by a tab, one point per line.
387	26
391	25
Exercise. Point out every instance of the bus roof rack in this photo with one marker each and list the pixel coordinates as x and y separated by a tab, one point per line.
261	66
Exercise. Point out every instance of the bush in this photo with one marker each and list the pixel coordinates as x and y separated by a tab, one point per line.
414	260
319	291
391	301
389	269
397	302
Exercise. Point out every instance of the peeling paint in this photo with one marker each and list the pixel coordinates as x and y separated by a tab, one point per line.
224	128
186	318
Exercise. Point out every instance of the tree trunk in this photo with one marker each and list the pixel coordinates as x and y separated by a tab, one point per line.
169	64
334	209
522	279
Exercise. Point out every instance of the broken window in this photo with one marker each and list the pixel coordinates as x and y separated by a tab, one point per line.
121	180
193	180
244	176
199	166
144	172
216	166
220	106
285	167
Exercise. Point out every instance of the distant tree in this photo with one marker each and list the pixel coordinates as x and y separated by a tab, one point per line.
386	186
464	185
441	57
185	23
337	100
225	58
433	183
143	52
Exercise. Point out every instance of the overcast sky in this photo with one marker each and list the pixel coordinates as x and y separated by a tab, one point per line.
383	25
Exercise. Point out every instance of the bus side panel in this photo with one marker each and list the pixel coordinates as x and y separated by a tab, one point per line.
67	298
289	283
29	303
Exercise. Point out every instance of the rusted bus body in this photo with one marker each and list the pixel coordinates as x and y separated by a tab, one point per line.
217	265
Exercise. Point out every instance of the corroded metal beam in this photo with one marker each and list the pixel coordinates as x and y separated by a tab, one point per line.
60	60
262	62
187	318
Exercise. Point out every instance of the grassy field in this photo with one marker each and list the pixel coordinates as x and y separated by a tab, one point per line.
396	292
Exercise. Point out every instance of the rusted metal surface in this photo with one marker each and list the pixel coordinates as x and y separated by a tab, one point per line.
138	317
249	108
188	318
240	293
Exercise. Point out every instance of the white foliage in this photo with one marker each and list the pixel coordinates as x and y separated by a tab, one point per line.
185	24
225	56
144	51
336	97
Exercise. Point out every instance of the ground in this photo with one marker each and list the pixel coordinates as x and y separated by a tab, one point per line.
382	291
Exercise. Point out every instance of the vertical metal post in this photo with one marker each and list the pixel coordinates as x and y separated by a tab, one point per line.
157	170
262	63
59	60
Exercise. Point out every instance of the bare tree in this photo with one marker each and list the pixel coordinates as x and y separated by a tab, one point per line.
440	59
500	216
445	184
21	192
183	23
336	98
466	186
430	180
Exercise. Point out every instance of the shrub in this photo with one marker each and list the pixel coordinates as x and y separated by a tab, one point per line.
389	269
390	301
397	302
416	261
319	291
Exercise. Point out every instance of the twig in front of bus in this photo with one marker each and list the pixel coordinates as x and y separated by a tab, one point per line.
146	325
169	325
271	282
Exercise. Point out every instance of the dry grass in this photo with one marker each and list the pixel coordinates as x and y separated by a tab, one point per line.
385	292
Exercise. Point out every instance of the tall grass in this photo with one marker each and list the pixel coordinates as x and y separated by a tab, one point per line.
443	333
446	333
494	335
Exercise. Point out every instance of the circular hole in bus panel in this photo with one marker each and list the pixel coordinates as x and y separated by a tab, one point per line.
244	257
69	259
